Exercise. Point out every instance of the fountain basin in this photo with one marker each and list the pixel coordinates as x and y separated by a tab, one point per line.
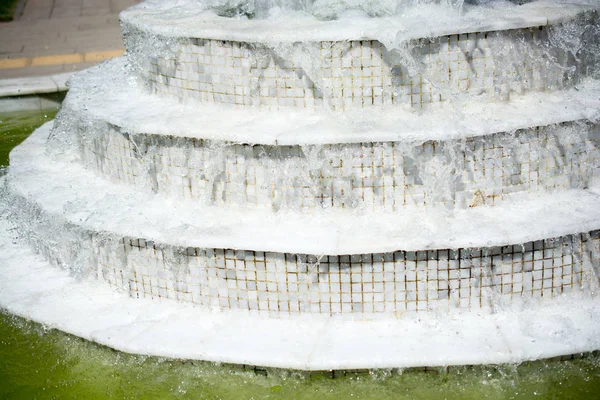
457	228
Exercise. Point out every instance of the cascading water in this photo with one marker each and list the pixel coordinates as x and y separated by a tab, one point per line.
322	9
344	184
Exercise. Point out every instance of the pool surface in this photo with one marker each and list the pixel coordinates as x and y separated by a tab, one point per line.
15	127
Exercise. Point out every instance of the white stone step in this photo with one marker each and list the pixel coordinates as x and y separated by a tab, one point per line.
306	161
285	264
411	60
66	190
33	289
194	22
108	94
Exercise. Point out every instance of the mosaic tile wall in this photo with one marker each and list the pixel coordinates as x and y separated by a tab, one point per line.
372	176
281	285
341	75
286	284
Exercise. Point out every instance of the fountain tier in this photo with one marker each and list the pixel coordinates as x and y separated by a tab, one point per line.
406	62
337	265
356	199
306	161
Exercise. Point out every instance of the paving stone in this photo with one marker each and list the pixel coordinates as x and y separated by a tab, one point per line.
75	33
31	71
66	12
11	47
95	11
37	9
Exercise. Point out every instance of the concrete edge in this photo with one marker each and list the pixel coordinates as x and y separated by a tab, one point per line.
35	85
19	10
42	102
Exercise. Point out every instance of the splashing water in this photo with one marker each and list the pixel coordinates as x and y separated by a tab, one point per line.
322	9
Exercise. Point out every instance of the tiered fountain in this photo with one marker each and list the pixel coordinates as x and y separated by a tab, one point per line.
316	188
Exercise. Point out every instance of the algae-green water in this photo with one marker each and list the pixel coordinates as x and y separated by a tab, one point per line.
41	363
37	363
15	127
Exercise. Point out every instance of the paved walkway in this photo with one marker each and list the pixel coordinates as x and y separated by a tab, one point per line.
51	37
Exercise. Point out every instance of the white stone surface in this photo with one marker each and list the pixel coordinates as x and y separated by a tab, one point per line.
421	22
380	176
32	289
49	182
34	85
351	75
94	203
107	93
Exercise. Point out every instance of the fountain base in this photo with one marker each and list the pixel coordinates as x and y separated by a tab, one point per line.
514	331
34	289
407	193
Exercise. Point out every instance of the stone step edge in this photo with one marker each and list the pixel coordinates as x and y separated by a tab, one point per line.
14	87
32	289
93	97
67	191
388	30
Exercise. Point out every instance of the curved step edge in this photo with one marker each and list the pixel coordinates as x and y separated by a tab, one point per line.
68	191
32	289
195	23
137	112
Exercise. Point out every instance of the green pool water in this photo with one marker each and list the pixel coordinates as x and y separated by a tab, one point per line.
15	127
41	363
